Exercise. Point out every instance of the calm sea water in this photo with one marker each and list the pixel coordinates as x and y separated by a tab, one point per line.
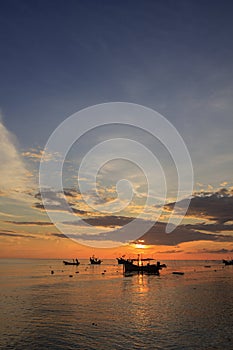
92	310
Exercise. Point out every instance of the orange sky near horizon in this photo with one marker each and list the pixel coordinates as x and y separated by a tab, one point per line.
68	249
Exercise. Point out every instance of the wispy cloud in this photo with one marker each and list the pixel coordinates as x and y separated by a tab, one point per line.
218	227
59	235
213	250
56	201
2	213
104	221
218	251
30	223
6	234
14	177
171	251
36	155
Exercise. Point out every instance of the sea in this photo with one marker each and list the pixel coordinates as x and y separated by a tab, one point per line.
46	305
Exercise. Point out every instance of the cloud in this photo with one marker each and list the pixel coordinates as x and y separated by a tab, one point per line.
218	251
36	155
104	221
6	234
56	201
30	223
172	251
33	155
155	236
58	208
211	251
210	227
70	199
158	236
59	235
14	176
216	206
3	213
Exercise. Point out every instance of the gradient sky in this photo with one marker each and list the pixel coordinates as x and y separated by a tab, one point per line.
58	57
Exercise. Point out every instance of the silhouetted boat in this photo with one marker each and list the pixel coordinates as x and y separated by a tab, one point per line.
227	262
95	261
178	273
121	260
75	263
139	267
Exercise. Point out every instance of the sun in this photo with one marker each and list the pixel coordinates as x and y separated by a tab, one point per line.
139	244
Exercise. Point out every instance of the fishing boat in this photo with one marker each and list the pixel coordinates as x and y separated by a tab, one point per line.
95	261
227	262
121	260
137	265
74	262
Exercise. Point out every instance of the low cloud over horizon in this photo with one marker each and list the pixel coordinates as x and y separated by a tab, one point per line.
204	206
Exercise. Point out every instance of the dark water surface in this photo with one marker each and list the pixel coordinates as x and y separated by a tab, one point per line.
99	311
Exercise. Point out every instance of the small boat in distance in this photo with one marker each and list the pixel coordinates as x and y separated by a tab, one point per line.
178	273
227	262
74	262
95	261
139	267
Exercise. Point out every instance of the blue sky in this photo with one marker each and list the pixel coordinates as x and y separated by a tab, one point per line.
176	57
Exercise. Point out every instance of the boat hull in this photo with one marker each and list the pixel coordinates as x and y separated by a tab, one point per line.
121	261
152	269
71	263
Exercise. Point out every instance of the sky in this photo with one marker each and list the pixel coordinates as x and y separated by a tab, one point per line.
58	57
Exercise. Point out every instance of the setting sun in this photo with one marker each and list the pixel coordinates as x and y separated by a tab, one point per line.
139	244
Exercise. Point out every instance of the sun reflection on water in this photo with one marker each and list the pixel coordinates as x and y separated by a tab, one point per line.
142	284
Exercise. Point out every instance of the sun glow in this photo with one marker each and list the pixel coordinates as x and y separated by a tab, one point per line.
139	244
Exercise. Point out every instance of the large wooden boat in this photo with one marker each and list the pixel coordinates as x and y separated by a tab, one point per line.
95	261
140	265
